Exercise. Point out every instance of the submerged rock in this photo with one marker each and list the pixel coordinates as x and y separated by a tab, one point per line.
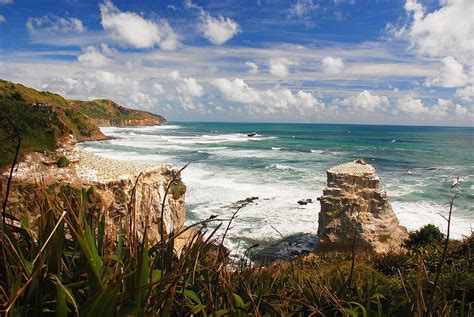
305	201
354	200
286	248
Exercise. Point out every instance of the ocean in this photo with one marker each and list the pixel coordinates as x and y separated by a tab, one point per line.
284	163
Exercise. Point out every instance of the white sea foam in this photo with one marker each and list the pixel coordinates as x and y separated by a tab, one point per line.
210	190
280	167
211	187
414	215
276	148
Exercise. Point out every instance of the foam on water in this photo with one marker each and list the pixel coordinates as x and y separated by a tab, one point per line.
414	215
229	166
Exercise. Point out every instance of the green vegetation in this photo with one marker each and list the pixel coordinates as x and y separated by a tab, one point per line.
70	264
63	161
178	189
46	120
109	110
426	235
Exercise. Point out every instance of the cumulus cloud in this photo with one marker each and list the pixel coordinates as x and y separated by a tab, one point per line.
302	8
446	33
280	66
411	105
216	30
187	88
253	68
466	93
365	101
239	91
94	56
54	24
132	30
2	18
451	74
332	65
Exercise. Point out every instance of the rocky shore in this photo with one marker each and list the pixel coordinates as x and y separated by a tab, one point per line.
113	183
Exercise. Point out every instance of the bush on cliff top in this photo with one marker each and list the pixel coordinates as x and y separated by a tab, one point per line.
429	234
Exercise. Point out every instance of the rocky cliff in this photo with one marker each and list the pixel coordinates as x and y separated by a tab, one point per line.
355	201
46	120
102	186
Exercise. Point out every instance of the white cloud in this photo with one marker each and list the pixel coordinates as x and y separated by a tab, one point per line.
448	31
332	65
191	87
158	89
253	68
239	91
6	1
442	108
365	101
131	29
464	111
280	66
411	105
96	56
451	74
218	30
302	8
466	93
54	24
2	18
187	88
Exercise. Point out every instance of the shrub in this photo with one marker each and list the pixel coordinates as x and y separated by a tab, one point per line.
429	234
63	162
391	262
178	189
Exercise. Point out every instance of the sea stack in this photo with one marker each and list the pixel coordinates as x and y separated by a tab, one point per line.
354	200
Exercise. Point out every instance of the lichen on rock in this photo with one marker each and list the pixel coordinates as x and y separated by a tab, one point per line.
355	200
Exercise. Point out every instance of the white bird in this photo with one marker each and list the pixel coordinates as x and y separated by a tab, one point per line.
455	183
409	172
394	140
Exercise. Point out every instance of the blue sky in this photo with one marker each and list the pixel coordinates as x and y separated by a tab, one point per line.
338	61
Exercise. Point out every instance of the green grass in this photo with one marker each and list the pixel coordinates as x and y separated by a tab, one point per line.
68	263
46	119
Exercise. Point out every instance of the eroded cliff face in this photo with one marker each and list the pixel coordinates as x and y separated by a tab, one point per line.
102	186
354	200
125	122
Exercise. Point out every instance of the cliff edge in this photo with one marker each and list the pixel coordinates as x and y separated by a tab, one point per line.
355	200
103	187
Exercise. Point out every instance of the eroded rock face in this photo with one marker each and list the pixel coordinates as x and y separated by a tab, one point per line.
104	186
354	200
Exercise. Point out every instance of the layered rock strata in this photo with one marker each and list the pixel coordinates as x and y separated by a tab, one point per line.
106	185
355	201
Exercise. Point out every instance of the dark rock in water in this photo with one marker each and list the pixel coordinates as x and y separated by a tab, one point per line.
285	249
242	202
305	201
251	134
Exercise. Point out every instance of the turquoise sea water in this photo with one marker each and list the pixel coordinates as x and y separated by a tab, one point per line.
284	163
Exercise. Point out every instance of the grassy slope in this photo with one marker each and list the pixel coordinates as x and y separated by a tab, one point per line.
109	110
44	126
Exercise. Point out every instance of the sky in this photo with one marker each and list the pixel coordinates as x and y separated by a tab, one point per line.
333	61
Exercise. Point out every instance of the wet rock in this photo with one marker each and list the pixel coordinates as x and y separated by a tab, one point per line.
305	201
